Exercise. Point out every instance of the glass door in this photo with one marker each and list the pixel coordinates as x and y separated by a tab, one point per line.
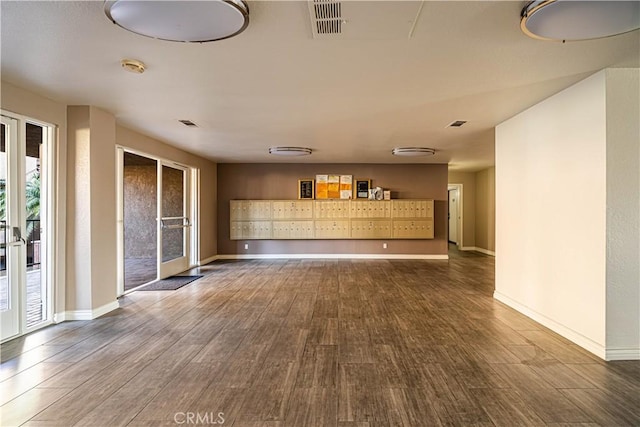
24	295
138	219
174	220
12	248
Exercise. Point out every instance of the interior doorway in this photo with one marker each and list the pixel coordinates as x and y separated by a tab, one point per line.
155	211
455	214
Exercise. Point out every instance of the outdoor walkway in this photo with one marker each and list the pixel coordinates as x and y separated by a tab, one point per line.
34	295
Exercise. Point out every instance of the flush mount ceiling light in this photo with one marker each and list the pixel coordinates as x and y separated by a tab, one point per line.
413	151
572	20
181	21
290	151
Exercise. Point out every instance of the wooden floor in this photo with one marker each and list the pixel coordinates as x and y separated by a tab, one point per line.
315	343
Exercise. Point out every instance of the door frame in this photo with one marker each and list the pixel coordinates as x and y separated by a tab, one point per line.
193	210
48	223
460	221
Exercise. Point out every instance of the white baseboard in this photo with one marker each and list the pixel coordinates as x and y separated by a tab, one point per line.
623	354
477	249
86	314
579	339
207	260
332	256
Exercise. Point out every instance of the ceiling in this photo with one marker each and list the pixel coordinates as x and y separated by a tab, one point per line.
397	76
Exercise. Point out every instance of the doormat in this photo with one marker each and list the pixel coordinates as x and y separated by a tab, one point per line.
170	283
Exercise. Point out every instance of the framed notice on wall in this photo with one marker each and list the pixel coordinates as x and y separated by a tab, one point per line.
305	188
346	186
322	186
362	188
333	187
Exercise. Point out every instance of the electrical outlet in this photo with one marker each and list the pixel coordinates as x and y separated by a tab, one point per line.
384	246
246	246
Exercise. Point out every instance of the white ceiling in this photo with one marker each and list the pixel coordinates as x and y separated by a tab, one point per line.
397	76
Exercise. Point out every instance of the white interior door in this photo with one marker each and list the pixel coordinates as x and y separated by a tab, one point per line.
453	216
174	220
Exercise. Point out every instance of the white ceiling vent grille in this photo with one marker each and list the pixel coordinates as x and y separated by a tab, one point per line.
326	17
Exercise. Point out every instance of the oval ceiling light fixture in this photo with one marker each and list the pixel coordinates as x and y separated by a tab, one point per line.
180	21
290	151
413	151
133	65
573	20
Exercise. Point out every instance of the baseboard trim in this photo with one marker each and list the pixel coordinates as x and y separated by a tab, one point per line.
333	256
87	314
623	353
207	260
568	333
477	249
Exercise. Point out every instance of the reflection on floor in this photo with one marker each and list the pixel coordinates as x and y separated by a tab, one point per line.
315	343
138	271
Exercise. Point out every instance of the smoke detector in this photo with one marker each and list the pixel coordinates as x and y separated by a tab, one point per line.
133	65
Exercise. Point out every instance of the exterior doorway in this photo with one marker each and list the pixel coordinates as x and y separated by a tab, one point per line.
25	225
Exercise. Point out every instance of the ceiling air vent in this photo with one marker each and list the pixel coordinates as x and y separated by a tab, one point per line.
457	124
188	123
326	17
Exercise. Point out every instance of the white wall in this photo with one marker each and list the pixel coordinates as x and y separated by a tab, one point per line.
551	213
623	213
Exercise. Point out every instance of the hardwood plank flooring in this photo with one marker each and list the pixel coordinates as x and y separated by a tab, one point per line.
344	343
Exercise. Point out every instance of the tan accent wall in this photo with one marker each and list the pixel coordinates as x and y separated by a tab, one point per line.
486	209
27	103
279	181
468	181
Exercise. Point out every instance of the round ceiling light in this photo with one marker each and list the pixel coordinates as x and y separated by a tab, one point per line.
413	151
570	20
290	151
181	21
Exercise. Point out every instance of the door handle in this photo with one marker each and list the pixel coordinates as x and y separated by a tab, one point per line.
17	237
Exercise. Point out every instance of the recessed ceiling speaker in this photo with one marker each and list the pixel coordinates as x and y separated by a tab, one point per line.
180	21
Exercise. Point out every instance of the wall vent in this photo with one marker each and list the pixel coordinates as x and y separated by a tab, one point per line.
326	17
188	123
457	124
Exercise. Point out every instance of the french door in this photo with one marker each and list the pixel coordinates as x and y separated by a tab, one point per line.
24	294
